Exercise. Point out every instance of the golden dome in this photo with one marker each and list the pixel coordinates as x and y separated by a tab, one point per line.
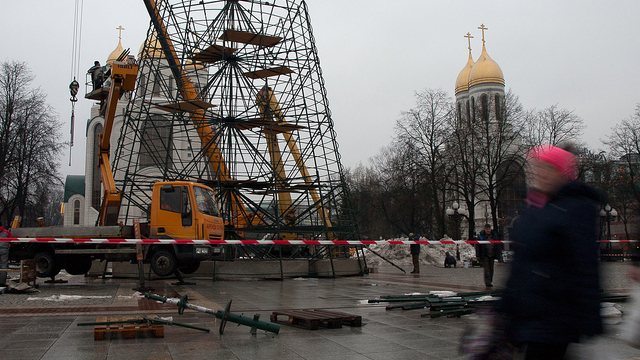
485	71
153	48
115	53
191	65
462	83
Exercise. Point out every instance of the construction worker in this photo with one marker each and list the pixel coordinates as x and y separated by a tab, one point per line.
97	75
415	254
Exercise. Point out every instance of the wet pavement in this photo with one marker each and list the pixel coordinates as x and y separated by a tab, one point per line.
43	325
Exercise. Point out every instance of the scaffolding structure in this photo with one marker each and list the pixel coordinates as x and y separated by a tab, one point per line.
230	93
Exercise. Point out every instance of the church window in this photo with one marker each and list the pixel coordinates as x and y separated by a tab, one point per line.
156	86
459	114
498	108
96	177
484	108
141	85
76	212
156	145
468	111
473	110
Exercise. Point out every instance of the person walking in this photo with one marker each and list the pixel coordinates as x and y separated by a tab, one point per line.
488	253
4	255
415	254
552	297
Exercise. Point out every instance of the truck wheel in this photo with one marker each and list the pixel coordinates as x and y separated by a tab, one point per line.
77	266
46	265
163	263
190	267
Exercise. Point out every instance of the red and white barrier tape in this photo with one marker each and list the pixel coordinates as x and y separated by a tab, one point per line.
261	242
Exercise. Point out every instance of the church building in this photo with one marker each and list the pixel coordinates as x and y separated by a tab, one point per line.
480	85
480	104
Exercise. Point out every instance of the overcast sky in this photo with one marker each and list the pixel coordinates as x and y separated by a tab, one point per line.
374	54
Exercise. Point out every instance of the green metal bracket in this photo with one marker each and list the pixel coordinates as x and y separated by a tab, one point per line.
224	315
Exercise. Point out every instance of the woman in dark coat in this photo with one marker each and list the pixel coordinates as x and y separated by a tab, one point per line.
552	295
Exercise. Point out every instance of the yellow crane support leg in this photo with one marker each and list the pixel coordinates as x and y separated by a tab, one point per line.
270	108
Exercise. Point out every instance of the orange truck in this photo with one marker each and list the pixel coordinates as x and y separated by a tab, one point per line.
179	210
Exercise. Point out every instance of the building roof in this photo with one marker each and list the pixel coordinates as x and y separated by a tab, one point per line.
485	70
115	53
462	82
73	184
151	48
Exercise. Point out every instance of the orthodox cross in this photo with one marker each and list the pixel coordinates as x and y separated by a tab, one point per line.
120	28
483	29
469	37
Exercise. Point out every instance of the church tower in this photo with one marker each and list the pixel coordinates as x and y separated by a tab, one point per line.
479	88
480	105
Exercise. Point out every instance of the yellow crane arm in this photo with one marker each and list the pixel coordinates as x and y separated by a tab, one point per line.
189	92
123	78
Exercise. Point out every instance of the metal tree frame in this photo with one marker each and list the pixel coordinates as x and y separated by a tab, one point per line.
240	105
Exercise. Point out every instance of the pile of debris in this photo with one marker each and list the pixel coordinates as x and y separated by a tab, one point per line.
451	304
440	303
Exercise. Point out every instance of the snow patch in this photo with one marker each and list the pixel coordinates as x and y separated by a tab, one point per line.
429	254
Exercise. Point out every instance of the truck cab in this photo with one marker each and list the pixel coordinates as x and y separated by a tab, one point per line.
185	210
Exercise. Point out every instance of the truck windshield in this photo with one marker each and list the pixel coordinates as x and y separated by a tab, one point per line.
206	201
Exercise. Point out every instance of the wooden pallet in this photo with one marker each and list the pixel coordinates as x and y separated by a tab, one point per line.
128	331
310	319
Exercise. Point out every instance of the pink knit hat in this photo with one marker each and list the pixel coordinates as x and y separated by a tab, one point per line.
563	160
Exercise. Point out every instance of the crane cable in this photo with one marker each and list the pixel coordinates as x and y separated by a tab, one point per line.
75	65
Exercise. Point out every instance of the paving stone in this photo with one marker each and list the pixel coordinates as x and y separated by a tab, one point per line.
387	335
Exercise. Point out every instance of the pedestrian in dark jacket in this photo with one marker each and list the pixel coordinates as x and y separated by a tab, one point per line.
415	253
552	295
487	254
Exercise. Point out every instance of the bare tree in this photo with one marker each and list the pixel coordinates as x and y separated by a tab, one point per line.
29	144
54	197
553	126
624	146
366	201
427	128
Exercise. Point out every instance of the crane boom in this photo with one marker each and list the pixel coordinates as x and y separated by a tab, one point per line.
206	134
123	78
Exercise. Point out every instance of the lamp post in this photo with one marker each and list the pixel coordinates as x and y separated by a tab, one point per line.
606	214
456	214
487	215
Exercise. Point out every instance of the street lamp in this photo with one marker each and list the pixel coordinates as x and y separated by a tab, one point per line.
456	214
487	215
606	214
